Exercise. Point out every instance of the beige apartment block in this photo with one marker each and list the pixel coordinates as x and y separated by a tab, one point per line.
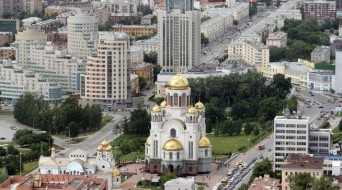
31	6
136	30
278	39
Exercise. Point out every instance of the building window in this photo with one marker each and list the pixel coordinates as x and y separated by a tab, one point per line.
175	98
178	155
173	133
170	155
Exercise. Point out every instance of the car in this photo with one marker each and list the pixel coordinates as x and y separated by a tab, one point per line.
261	156
308	106
320	106
2	138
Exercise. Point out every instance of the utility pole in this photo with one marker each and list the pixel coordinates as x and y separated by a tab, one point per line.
20	162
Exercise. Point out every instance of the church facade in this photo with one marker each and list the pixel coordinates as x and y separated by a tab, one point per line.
177	141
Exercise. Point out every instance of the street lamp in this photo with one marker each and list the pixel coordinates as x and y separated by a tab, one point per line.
69	132
20	162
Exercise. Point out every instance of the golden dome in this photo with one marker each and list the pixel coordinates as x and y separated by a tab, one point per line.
104	143
178	82
53	148
172	145
99	148
115	172
204	142
163	104
148	140
199	105
109	148
192	110
156	108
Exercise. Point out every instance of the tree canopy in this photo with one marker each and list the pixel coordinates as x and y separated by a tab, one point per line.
33	111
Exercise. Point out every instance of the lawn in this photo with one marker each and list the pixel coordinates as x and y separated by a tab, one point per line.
337	135
6	112
338	114
222	145
29	166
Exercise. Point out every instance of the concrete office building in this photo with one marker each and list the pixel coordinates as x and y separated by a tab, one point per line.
320	141
25	41
9	25
179	30
82	34
338	72
291	137
10	6
31	6
107	78
320	10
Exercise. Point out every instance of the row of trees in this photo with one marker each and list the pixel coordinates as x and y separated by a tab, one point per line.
249	96
33	111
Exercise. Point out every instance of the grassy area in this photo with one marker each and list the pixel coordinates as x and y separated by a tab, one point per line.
338	114
337	135
224	144
6	112
29	166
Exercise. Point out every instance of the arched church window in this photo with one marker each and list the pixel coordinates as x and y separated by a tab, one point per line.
173	133
175	99
206	153
170	155
183	99
178	155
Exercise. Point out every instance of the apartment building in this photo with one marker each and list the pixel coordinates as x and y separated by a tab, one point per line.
277	39
25	41
179	30
296	164
57	66
107	78
291	137
15	80
32	6
253	53
137	54
13	7
320	141
144	70
6	38
148	45
319	10
136	30
48	26
321	54
82	34
322	81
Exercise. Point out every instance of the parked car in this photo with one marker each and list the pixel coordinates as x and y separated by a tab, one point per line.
2	138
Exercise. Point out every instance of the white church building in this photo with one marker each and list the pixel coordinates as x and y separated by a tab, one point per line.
177	141
78	162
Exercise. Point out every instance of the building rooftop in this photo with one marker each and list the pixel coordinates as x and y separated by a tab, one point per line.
321	49
134	26
276	35
262	183
292	117
300	161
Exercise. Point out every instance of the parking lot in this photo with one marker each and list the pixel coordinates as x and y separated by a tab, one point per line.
6	133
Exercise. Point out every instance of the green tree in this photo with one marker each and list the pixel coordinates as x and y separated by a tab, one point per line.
139	122
323	183
151	57
11	150
166	177
292	104
105	27
325	125
156	71
281	85
204	40
262	168
144	9
301	181
3	175
74	129
248	128
235	22
142	82
340	125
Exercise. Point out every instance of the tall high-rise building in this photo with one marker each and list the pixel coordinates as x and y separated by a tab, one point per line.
82	34
27	40
107	78
179	30
31	6
338	71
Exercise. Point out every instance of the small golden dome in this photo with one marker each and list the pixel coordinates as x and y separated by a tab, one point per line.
109	148
204	142
199	105
99	148
115	172
172	145
156	108
192	110
148	140
178	82
104	143
163	104
53	148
